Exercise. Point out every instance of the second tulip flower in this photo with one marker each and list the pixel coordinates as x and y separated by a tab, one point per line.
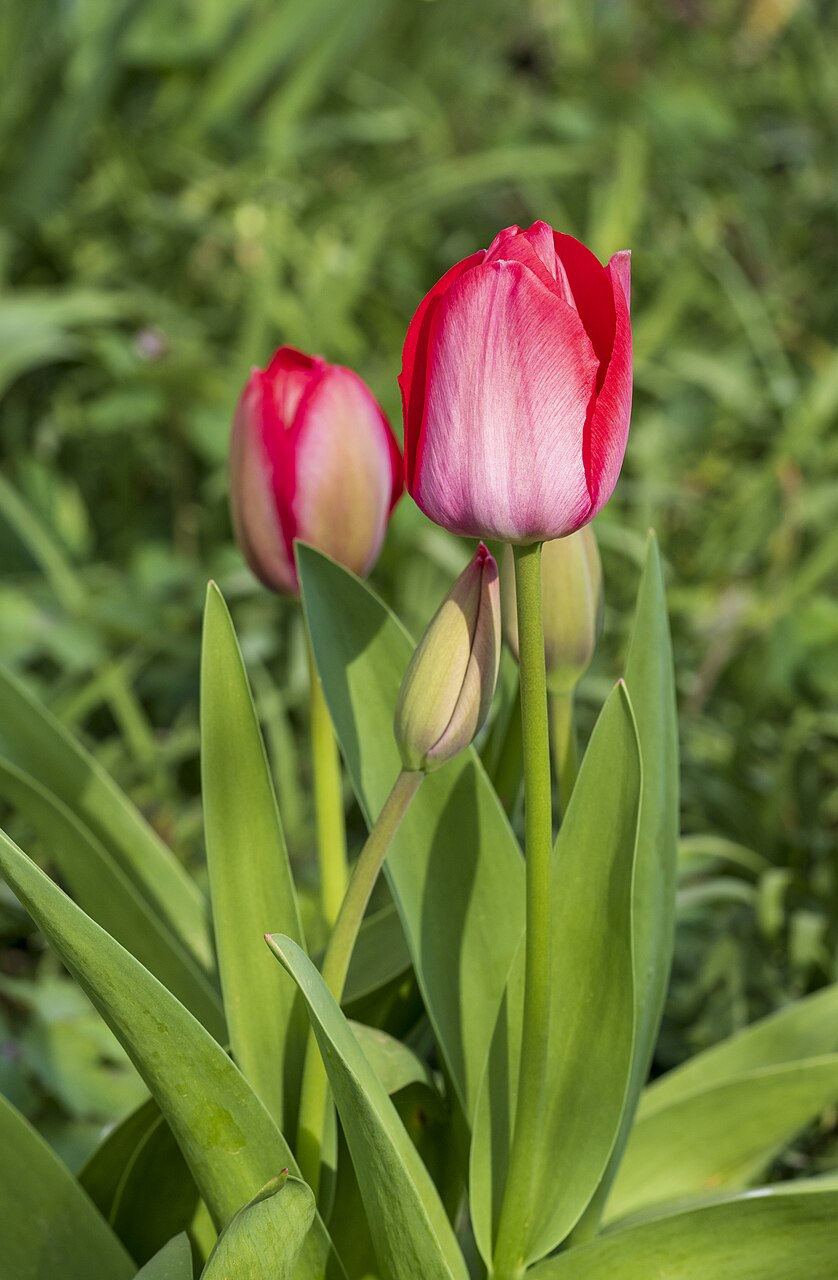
312	456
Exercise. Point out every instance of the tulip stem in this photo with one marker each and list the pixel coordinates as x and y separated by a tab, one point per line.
565	749
314	1095
328	800
517	1207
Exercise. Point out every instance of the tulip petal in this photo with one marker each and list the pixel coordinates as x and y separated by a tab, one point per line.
254	513
592	294
343	449
607	432
510	377
412	378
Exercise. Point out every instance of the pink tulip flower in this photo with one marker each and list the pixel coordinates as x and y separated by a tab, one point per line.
312	456
516	386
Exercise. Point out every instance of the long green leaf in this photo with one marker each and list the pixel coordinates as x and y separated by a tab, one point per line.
411	1232
104	891
32	738
651	686
263	1241
723	1136
173	1262
230	1143
48	1227
379	957
806	1028
251	886
778	1233
455	868
591	1029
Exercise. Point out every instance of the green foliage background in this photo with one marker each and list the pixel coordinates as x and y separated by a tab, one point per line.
186	183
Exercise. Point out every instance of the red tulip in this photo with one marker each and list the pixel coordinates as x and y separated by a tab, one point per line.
516	385
312	456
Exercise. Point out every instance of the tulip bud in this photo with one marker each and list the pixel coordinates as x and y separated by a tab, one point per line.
571	583
447	690
516	386
312	456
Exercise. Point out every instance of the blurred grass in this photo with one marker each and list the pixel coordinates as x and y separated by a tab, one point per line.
186	183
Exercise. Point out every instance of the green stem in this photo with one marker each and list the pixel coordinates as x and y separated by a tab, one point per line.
328	800
565	750
314	1094
517	1207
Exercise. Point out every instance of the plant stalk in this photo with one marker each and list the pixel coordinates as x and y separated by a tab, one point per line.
314	1094
516	1208
328	800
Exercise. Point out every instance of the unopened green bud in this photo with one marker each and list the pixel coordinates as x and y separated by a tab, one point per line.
571	582
447	690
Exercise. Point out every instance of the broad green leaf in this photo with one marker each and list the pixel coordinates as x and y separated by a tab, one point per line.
455	869
379	957
807	1028
592	1017
229	1141
48	1227
32	738
411	1232
264	1239
775	1233
140	1182
395	1065
650	682
721	1136
251	887
173	1262
104	891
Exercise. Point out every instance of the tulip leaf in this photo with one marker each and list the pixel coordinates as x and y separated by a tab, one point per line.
264	1239
411	1233
104	891
229	1141
721	1136
650	681
48	1226
173	1262
140	1182
591	1029
251	886
455	868
807	1028
32	739
775	1233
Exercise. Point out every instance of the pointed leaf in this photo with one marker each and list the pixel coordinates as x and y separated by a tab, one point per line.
411	1232
100	886
32	738
454	868
651	686
775	1233
592	1017
264	1239
173	1262
251	886
48	1227
227	1137
722	1136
